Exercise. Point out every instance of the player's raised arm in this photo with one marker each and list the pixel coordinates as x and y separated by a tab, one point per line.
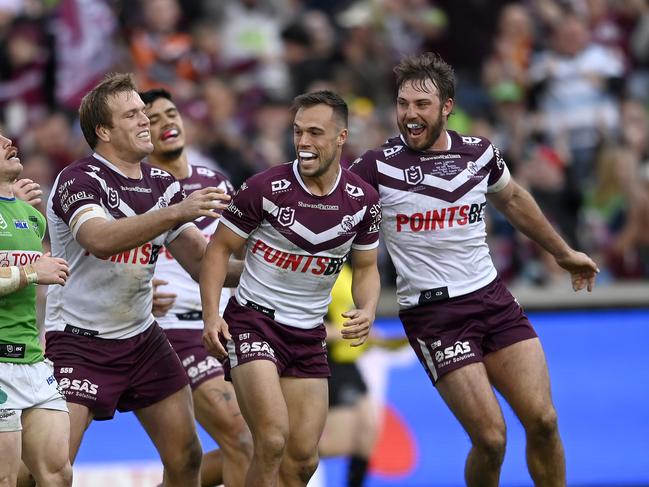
522	211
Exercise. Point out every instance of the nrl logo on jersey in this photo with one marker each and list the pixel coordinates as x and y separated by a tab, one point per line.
286	216
113	198
279	185
390	151
413	175
353	191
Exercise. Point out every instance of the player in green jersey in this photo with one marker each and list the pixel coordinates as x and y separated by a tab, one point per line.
34	422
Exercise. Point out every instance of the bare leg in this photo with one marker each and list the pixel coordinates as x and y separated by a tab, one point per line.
217	410
262	404
469	395
46	435
307	402
170	425
10	452
520	373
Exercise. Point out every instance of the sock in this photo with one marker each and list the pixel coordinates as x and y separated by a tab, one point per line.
356	471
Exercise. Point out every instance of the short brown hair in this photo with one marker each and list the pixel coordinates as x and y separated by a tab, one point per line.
324	97
94	110
427	66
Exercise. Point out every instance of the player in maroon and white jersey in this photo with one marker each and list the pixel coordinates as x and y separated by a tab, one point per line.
299	222
180	313
109	216
466	328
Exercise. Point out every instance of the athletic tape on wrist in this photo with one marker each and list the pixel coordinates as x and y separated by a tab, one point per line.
32	275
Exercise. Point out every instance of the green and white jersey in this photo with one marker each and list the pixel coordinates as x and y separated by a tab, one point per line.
21	230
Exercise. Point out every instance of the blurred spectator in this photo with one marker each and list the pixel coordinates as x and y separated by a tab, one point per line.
24	81
505	69
612	232
84	31
160	51
576	84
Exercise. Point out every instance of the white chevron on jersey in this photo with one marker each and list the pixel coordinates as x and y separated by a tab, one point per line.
308	235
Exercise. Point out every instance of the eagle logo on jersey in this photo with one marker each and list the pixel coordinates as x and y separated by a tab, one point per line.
413	175
472	167
286	216
113	198
347	223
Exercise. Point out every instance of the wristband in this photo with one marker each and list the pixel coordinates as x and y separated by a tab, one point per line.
31	274
9	280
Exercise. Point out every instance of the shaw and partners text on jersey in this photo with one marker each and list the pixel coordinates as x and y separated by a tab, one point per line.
438	218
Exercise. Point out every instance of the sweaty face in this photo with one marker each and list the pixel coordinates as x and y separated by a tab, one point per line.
10	166
130	135
318	140
167	129
421	116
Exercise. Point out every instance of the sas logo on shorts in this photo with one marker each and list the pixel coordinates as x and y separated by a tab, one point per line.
453	351
82	388
202	367
246	348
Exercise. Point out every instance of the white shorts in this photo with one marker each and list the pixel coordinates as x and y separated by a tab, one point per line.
27	386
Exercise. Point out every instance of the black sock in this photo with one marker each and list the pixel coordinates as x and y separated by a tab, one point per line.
356	471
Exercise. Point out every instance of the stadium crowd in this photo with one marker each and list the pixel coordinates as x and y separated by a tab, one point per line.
560	86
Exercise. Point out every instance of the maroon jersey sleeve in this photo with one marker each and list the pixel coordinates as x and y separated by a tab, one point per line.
368	230
497	168
245	211
75	189
365	167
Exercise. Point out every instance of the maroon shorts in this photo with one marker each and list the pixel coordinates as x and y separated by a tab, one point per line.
199	366
450	334
105	375
255	336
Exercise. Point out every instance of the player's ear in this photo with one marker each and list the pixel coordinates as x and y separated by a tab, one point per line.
342	137
102	133
448	107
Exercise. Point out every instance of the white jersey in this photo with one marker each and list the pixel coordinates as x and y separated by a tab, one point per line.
433	214
186	311
107	298
297	242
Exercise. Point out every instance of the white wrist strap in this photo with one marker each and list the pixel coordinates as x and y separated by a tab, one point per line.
32	275
9	280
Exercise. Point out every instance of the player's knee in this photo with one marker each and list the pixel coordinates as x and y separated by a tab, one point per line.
545	425
307	467
270	445
64	476
186	459
492	443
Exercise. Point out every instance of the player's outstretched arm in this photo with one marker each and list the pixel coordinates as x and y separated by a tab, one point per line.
366	287
46	270
214	268
521	210
103	238
28	191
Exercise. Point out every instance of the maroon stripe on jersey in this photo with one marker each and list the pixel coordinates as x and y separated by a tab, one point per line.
434	192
